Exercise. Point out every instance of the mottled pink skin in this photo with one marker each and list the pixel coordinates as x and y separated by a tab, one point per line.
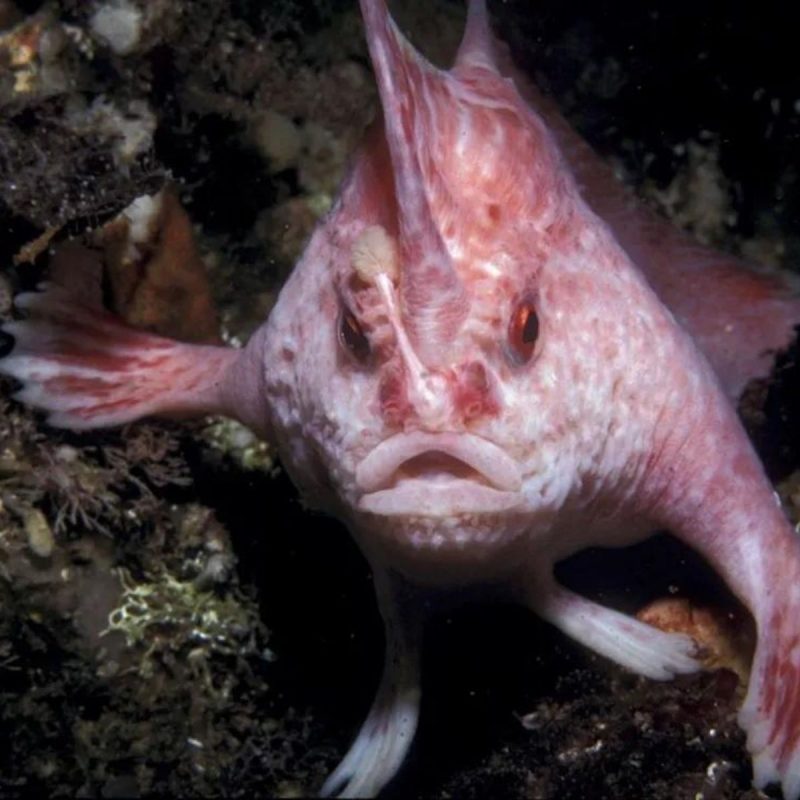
485	466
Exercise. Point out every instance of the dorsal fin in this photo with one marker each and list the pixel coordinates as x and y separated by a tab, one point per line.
411	91
477	46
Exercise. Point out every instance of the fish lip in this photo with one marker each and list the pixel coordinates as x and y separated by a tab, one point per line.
455	498
379	468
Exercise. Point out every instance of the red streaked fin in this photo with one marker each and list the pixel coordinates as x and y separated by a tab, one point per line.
771	711
88	369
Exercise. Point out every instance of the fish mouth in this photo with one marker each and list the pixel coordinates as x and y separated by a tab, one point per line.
437	474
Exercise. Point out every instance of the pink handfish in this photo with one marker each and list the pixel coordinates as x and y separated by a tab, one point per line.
488	358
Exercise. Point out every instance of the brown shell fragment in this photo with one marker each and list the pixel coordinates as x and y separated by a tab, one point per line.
157	278
726	636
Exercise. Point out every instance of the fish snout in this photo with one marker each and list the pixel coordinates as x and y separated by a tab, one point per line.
464	393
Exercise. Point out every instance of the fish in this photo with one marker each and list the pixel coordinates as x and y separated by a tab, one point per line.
489	357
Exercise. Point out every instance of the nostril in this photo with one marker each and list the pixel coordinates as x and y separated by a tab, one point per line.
474	395
474	377
393	398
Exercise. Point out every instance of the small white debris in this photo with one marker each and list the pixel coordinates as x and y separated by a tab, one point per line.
118	24
136	226
66	454
135	128
142	216
39	533
130	128
278	139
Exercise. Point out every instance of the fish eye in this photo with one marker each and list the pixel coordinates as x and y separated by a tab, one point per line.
352	337
523	331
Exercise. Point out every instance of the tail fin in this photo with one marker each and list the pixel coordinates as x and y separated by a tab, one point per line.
88	369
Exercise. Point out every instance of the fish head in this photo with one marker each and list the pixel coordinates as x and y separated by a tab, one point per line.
442	384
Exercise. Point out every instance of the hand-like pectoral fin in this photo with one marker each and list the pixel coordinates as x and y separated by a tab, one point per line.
381	745
87	369
771	711
763	568
634	645
733	518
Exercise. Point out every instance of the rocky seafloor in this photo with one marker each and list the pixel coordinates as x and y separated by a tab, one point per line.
172	621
